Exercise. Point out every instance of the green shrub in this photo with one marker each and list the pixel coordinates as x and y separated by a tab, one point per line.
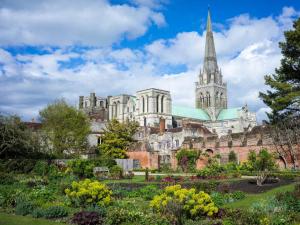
177	202
55	212
7	178
41	168
87	192
148	192
42	193
116	172
232	157
18	165
38	212
83	168
220	198
124	216
23	207
289	200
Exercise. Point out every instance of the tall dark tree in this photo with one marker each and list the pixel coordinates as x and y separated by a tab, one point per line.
284	98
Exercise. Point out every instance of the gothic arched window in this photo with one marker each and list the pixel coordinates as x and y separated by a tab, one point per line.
162	104
147	110
143	103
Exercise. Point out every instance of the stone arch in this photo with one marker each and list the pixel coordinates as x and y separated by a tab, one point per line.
281	162
209	151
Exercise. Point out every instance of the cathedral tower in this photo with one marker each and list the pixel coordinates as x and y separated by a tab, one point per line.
211	91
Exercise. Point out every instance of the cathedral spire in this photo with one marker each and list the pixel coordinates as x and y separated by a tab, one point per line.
210	59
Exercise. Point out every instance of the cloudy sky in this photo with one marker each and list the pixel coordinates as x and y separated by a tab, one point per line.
51	49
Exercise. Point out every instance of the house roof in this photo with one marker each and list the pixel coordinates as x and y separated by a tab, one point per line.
188	112
229	114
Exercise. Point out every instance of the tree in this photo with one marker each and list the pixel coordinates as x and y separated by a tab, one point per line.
285	135
232	157
66	128
284	99
17	140
116	139
263	163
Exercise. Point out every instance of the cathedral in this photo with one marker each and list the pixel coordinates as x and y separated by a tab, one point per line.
165	126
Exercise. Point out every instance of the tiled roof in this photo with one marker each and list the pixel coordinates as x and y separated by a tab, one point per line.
187	112
229	114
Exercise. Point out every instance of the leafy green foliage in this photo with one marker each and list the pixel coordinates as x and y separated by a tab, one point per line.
66	128
130	216
232	157
17	140
87	192
179	203
263	163
116	139
284	98
187	159
222	198
263	160
82	167
116	172
23	207
41	168
55	212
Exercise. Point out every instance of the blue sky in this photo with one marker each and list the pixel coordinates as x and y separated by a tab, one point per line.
53	49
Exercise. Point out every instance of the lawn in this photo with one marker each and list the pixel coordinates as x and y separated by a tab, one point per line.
10	219
251	198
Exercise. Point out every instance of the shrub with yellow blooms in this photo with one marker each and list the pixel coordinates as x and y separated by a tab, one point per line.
88	192
179	202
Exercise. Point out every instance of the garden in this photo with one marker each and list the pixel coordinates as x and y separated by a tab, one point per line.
47	192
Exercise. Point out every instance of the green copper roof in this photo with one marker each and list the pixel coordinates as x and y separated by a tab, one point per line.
187	112
228	114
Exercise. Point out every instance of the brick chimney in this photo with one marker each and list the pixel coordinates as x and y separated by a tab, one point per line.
162	125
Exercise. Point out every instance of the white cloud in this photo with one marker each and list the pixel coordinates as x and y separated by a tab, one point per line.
246	51
61	22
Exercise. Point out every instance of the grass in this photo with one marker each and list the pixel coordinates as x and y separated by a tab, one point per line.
10	219
252	198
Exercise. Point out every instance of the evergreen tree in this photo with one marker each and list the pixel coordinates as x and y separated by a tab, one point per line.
284	98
